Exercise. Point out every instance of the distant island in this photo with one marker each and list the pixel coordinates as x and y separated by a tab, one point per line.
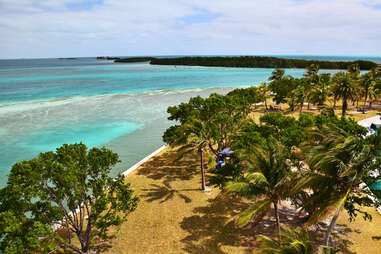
260	62
125	60
107	58
244	61
133	59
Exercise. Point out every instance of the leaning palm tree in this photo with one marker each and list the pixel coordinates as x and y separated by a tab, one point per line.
338	163
268	177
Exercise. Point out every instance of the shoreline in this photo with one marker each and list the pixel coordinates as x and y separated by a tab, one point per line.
142	161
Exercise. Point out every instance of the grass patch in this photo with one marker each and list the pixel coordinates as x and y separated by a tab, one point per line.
360	236
175	216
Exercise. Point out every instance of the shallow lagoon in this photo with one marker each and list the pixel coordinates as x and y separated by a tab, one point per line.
47	102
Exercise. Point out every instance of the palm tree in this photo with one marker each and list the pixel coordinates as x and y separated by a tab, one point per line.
264	92
338	163
292	241
319	93
344	88
367	81
191	135
373	94
311	74
277	74
369	86
268	177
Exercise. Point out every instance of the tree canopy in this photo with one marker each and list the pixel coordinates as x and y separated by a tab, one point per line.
60	195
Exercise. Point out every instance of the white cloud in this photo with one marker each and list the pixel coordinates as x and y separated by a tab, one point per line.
31	28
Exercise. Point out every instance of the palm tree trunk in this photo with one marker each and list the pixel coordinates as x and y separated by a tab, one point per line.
277	217
202	168
331	226
266	104
334	102
345	106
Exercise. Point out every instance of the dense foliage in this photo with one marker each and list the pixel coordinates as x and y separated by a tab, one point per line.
259	62
317	161
63	195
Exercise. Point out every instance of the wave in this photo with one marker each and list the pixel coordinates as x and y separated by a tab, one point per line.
6	108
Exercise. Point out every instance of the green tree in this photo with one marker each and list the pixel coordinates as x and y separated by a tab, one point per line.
69	189
244	98
369	87
190	136
277	75
344	88
292	241
284	90
338	163
267	177
319	93
263	91
207	124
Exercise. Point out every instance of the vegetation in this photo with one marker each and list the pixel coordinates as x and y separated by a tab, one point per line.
312	165
133	59
125	60
317	161
267	178
260	62
63	195
174	216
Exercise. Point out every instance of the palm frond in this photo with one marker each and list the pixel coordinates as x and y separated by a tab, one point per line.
256	212
328	208
257	178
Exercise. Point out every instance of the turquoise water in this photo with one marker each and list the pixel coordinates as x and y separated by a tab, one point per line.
47	102
376	186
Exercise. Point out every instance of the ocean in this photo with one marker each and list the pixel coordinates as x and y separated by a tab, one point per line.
45	103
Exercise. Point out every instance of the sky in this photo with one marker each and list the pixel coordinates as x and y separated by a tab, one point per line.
74	28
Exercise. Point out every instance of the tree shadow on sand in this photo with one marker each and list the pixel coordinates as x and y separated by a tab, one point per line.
165	192
169	167
209	232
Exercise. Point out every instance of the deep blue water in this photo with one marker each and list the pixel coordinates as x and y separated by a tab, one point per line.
47	102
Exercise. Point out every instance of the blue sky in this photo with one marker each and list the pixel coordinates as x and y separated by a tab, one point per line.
64	28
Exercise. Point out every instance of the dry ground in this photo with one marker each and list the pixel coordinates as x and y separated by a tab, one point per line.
175	216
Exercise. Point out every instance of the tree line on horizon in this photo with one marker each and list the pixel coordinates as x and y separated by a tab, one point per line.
260	62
